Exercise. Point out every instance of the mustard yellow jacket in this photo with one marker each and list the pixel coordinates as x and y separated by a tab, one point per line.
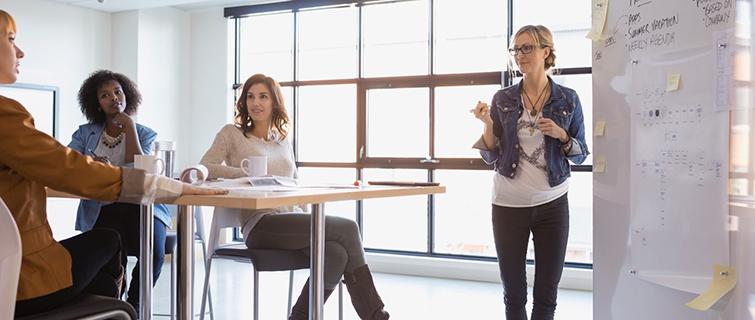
30	160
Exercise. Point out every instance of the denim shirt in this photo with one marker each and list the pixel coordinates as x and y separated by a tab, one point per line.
563	107
86	138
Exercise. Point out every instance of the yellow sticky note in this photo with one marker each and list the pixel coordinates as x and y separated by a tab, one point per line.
600	127
724	279
600	164
673	81
599	11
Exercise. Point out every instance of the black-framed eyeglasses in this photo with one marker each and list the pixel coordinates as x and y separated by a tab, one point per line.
526	49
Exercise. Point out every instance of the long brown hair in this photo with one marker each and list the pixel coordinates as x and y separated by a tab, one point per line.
279	117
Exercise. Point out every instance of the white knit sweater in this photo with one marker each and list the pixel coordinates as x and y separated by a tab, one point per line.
223	160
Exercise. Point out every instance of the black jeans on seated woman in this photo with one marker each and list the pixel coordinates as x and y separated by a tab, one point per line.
125	219
549	225
95	266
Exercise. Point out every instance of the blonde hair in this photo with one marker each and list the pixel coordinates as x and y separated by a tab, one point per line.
7	24
543	38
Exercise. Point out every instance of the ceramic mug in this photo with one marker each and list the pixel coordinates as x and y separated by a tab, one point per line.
254	166
149	163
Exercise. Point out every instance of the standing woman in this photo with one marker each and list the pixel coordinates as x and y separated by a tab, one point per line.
531	130
54	273
260	130
108	100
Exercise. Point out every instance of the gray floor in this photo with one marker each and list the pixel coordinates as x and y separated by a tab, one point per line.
406	297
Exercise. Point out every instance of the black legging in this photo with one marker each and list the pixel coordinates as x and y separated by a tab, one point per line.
95	258
291	231
549	225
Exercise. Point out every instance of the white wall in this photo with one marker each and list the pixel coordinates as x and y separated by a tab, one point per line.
63	44
210	94
125	49
163	71
178	59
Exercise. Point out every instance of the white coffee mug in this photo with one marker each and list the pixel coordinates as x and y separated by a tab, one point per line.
149	163
256	166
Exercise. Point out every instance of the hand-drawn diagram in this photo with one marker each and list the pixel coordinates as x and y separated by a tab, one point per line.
679	169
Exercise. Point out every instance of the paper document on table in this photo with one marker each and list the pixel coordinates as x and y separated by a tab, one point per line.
724	279
271	180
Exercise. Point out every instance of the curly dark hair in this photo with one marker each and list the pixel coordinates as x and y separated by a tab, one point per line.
90	104
280	117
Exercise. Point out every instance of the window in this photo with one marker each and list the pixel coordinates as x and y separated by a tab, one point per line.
328	50
476	45
381	90
267	52
397	123
395	39
328	118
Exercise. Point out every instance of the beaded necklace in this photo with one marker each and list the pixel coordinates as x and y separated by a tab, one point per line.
109	141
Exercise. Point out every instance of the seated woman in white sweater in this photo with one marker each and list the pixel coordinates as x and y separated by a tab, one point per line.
260	129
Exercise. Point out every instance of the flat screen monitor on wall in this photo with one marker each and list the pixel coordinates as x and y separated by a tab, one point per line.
41	101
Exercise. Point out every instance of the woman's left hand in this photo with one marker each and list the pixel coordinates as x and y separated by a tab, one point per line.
549	128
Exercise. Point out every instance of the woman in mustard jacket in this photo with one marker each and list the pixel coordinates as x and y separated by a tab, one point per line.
53	273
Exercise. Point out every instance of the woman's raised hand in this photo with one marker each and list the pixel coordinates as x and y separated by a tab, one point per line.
482	112
122	120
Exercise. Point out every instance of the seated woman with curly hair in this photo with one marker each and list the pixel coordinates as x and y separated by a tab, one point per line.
108	100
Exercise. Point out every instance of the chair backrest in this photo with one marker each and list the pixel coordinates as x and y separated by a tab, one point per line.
222	218
10	262
199	223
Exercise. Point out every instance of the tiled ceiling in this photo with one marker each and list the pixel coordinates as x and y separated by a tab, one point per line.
188	5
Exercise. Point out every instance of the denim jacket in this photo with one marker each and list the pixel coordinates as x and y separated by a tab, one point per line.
86	138
563	107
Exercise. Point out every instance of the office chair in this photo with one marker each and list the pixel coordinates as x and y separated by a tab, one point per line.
84	306
262	260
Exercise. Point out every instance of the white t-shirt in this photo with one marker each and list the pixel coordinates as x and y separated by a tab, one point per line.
530	186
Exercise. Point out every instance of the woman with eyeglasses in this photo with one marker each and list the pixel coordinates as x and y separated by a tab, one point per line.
531	131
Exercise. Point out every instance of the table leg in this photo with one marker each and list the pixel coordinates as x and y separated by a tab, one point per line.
317	262
146	231
185	260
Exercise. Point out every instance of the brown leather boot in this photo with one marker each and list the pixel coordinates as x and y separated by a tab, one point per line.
300	310
364	296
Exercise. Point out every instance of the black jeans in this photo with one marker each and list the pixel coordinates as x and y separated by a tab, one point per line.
125	219
549	225
95	258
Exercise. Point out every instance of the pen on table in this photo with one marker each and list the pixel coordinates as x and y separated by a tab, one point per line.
90	150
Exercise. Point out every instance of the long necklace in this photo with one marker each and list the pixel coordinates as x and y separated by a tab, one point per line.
534	112
111	142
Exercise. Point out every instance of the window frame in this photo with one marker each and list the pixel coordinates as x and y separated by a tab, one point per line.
363	85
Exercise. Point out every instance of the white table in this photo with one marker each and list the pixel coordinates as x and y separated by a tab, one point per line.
252	198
